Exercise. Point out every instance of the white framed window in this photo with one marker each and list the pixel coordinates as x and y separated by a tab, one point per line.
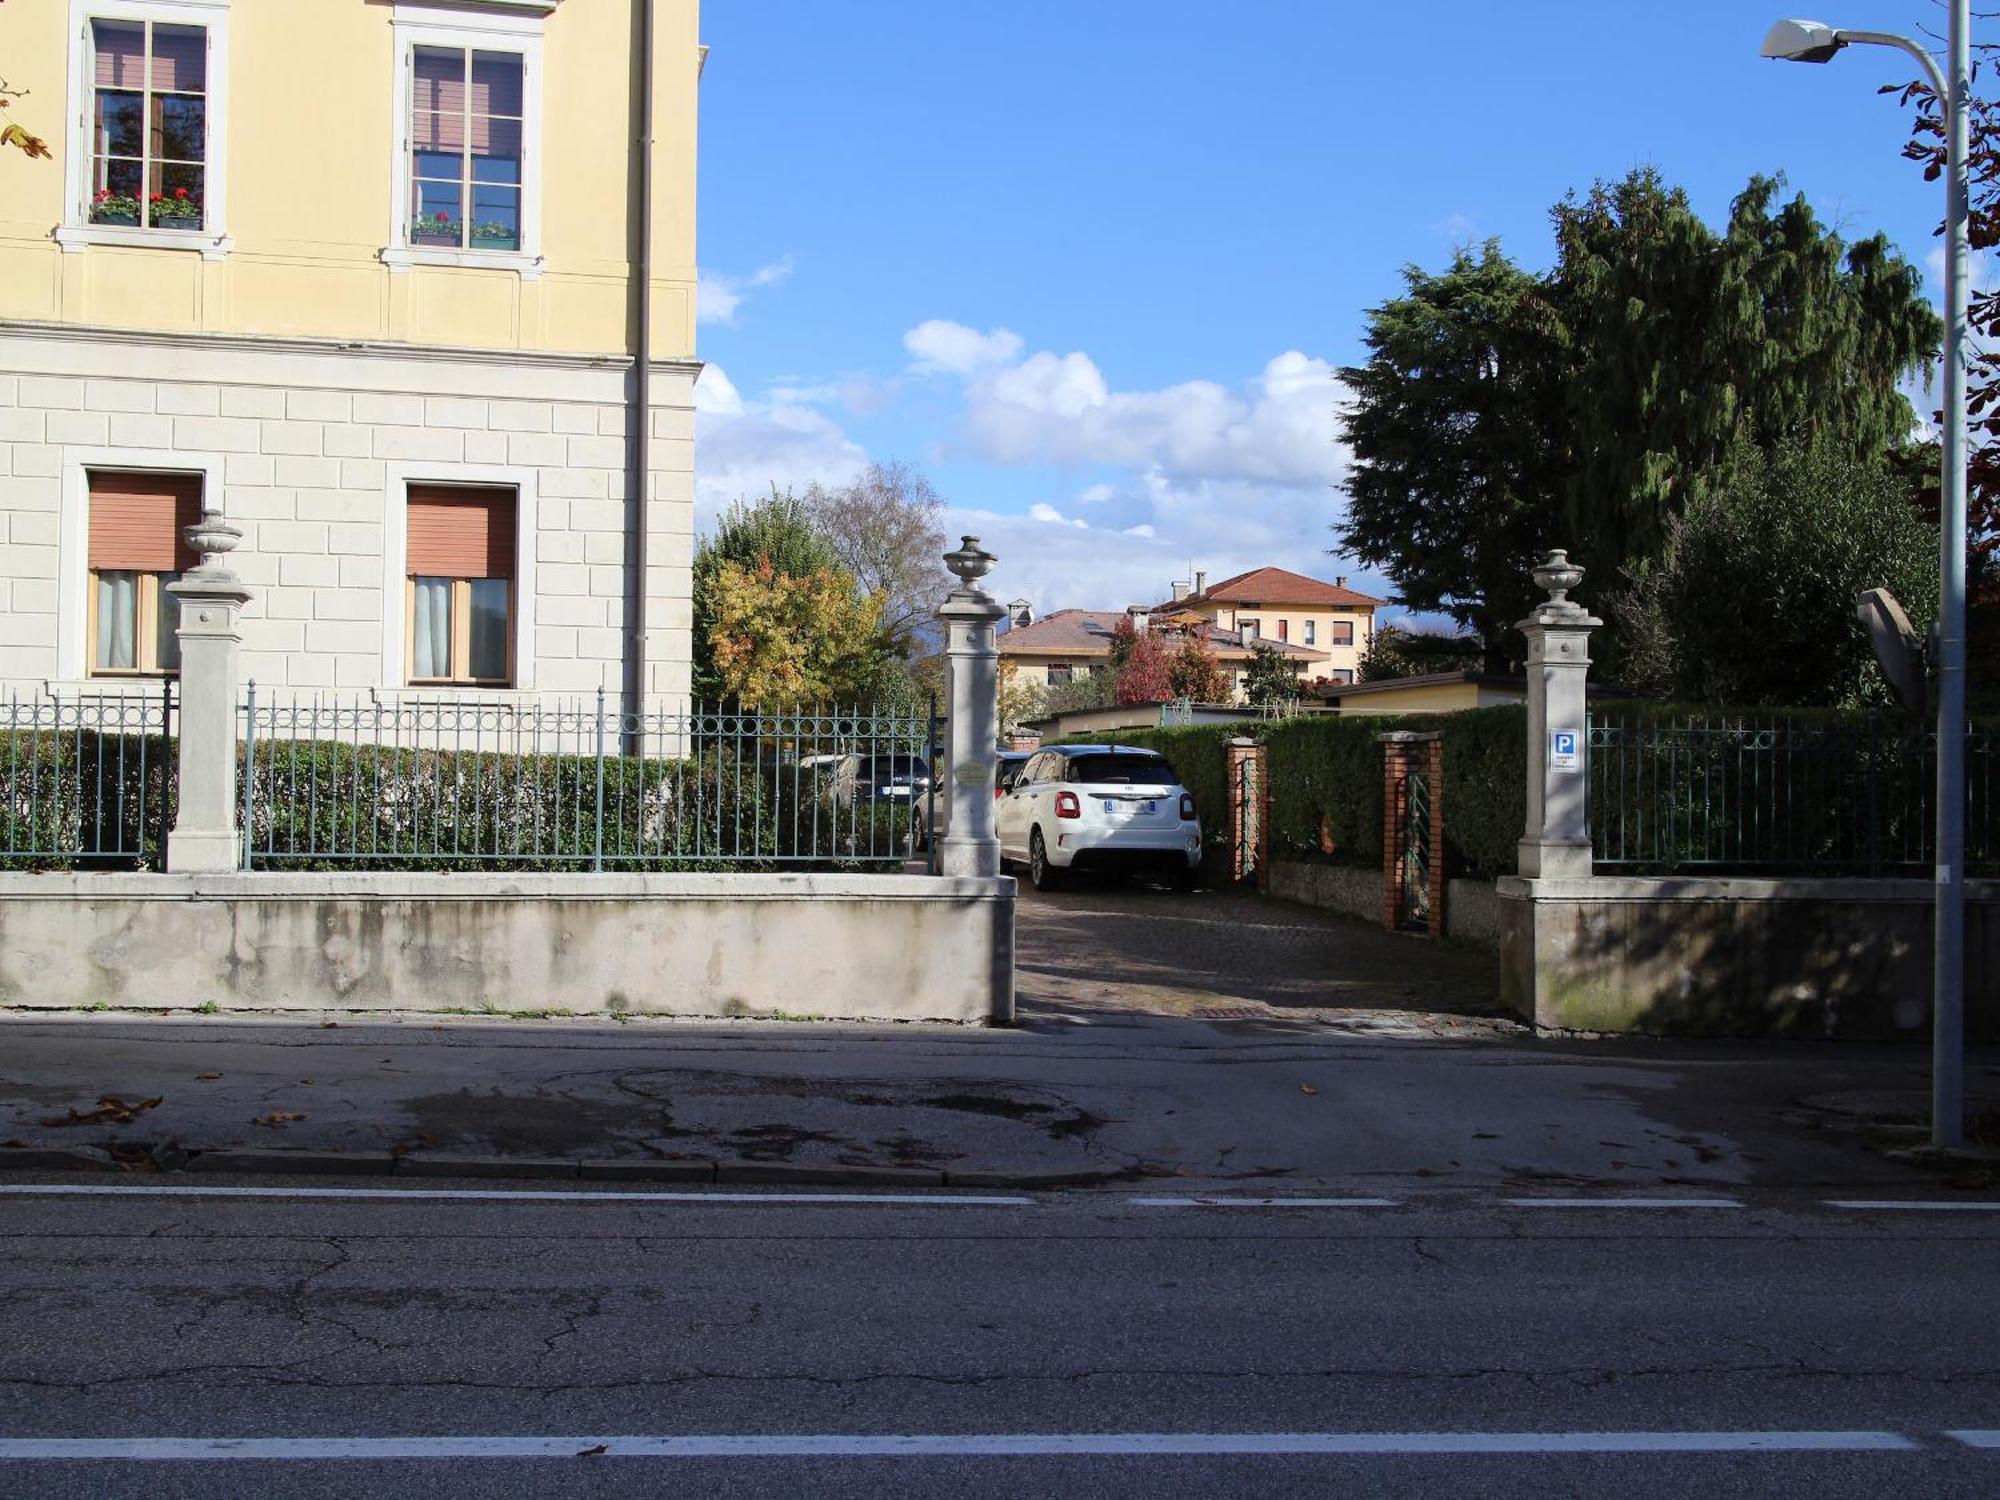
1312	632
458	559
466	181
148	86
137	548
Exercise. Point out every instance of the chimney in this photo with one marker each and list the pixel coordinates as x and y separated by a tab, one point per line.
1340	580
1180	592
1020	613
1200	582
1140	616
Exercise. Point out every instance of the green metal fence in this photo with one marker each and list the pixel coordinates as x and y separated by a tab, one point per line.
1775	792
87	780
411	782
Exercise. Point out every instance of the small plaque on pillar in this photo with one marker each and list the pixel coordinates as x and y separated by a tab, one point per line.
1562	751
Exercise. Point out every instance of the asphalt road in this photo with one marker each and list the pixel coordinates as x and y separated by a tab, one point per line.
1312	1330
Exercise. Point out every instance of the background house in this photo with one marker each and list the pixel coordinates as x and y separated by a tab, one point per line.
363	278
1070	643
1285	608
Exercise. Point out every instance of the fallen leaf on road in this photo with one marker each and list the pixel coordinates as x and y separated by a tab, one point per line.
206	1077
111	1110
329	1026
594	1452
14	1145
1484	1135
279	1117
1306	1088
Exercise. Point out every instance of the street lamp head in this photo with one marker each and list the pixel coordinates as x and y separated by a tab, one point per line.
1802	41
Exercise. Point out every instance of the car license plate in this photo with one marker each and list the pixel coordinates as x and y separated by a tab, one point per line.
1146	809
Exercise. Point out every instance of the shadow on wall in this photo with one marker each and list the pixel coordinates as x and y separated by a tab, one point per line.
1849	959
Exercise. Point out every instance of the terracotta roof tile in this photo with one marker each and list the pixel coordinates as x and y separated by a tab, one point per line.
1278	586
1087	633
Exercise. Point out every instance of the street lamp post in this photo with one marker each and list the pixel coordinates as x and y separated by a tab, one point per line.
1812	41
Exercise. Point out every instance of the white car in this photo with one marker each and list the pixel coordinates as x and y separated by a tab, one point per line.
1100	807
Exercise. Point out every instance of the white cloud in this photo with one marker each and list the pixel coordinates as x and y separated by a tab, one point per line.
1280	428
1049	515
745	446
1196	475
941	346
716	296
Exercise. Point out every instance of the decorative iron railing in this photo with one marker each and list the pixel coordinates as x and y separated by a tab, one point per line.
87	780
1800	793
395	781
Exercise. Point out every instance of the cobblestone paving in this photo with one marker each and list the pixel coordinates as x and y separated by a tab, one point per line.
1235	956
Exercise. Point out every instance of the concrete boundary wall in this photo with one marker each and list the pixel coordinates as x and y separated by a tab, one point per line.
837	947
1470	909
1723	957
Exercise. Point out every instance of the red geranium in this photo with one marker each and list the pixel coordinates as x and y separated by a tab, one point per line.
180	192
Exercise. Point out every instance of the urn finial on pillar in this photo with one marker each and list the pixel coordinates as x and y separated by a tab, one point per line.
970	845
1556	842
205	836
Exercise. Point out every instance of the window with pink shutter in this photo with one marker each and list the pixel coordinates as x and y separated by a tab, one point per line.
466	148
148	124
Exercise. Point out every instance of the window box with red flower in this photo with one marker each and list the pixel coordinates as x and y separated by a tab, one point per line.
435	229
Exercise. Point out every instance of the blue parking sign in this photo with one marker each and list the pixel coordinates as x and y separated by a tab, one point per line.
1562	750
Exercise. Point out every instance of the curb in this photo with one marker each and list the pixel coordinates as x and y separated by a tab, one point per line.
282	1161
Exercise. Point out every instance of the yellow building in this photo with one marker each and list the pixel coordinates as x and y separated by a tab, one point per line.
372	279
1431	693
1284	608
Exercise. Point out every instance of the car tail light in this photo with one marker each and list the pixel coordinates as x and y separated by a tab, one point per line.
1187	808
1067	805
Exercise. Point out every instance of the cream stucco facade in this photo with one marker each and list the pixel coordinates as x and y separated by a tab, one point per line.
1340	634
303	341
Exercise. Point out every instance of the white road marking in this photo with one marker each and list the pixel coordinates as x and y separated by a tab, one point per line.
1976	1438
508	1195
1263	1203
1917	1205
951	1445
1621	1203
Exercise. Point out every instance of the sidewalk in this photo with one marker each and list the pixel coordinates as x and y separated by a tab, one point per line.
1071	1096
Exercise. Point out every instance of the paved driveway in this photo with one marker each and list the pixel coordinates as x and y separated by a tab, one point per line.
1230	955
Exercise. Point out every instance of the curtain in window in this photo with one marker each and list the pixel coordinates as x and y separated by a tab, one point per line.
432	640
117	621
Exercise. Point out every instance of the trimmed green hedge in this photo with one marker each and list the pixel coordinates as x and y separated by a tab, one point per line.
73	799
70	801
1326	783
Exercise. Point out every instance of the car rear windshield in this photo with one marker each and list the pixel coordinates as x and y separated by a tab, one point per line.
888	767
1097	769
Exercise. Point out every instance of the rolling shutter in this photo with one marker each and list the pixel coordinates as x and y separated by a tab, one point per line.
136	521
461	533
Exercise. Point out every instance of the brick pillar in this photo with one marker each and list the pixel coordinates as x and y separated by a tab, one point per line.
1395	783
1255	859
1435	759
1405	752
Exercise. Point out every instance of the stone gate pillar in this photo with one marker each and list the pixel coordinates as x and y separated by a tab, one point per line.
1556	843
205	836
972	731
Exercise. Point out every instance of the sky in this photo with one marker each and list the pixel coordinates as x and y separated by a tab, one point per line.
1093	265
